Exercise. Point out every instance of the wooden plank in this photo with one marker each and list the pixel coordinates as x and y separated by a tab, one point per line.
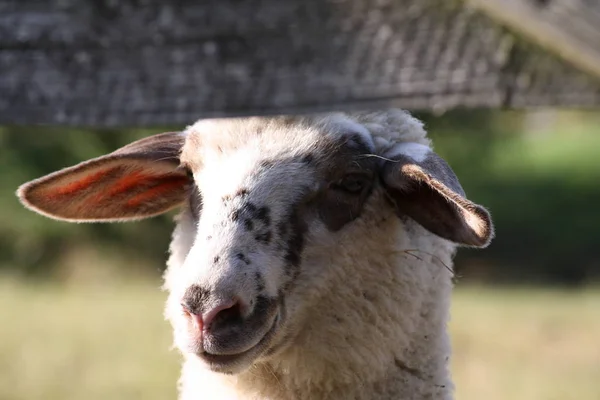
128	62
568	28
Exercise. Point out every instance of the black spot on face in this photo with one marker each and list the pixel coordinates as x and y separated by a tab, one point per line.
282	229
263	215
242	257
260	283
295	244
250	215
281	234
216	259
295	229
250	207
264	237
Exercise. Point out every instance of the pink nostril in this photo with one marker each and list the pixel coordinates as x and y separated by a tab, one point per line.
202	321
210	315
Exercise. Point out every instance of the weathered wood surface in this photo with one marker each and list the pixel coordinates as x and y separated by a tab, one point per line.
151	62
569	28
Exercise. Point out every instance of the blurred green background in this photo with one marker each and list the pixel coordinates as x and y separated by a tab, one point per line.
82	309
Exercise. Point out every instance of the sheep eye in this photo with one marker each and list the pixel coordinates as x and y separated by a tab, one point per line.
353	184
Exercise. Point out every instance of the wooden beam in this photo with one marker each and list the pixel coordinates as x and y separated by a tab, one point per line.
568	28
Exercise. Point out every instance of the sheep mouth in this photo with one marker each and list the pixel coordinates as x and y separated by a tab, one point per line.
231	363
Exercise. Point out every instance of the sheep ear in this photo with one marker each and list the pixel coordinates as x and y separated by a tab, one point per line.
423	186
140	180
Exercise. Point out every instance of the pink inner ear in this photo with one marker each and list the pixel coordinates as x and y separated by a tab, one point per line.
130	181
144	185
82	184
167	184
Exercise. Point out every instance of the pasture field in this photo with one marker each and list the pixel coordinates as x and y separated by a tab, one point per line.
98	342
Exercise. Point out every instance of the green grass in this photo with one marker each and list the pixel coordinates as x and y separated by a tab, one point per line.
95	342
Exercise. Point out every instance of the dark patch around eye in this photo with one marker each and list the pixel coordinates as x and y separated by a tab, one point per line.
248	224
349	177
337	207
351	184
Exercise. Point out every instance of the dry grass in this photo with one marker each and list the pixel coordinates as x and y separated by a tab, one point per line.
85	343
526	344
111	343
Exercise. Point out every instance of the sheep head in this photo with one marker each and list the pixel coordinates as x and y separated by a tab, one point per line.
264	200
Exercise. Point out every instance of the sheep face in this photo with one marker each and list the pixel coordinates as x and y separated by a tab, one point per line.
262	193
263	201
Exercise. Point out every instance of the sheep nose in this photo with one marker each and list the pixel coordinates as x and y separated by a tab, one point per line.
206	314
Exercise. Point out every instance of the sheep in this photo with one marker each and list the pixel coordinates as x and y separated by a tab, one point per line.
311	257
